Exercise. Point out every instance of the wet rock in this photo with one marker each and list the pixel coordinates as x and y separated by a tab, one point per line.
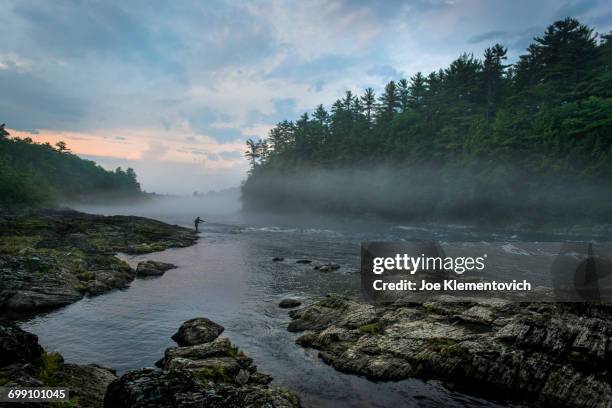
24	363
278	259
334	309
19	375
153	268
218	361
212	373
289	303
148	388
197	331
303	261
87	383
24	286
53	258
17	345
328	267
554	355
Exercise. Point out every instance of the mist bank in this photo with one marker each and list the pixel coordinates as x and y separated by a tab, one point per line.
482	140
499	194
218	206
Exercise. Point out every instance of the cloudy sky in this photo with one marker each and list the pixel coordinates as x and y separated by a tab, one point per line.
173	89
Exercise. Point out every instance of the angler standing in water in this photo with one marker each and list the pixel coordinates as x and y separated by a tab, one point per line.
197	222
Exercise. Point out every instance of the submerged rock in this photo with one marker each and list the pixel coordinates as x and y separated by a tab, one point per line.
328	267
303	261
289	303
555	355
197	331
278	259
211	373
153	268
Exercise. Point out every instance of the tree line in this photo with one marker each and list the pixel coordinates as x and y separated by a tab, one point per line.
39	174
509	128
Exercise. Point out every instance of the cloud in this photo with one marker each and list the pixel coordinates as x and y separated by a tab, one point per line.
284	108
29	102
230	155
318	86
156	151
489	36
71	29
324	66
576	8
386	72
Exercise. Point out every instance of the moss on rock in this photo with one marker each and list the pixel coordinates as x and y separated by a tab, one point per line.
55	257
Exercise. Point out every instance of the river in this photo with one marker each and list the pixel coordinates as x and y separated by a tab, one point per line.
229	277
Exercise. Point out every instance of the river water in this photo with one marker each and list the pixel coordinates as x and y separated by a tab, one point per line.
229	277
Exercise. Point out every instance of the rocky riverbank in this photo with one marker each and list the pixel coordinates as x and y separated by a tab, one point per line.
554	355
24	363
55	257
204	371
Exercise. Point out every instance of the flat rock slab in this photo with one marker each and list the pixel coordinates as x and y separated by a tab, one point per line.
551	355
197	331
51	258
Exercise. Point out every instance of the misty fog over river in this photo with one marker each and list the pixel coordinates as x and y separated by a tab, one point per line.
229	277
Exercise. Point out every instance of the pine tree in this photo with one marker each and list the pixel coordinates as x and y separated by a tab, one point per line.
493	71
389	102
404	94
565	52
417	91
369	102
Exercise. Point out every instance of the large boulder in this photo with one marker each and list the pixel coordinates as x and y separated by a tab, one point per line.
218	360
197	331
17	346
208	373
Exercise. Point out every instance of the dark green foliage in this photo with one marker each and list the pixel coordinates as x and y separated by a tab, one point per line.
33	174
461	142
